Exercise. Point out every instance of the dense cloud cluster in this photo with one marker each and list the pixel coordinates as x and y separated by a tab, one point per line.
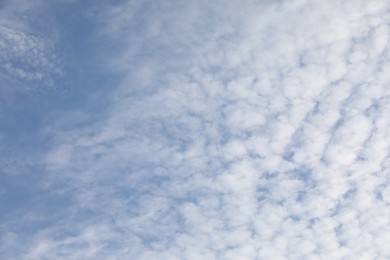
240	130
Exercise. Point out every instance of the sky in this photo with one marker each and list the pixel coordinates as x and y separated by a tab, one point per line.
197	129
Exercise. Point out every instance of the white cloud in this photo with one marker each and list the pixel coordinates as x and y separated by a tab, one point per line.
27	57
241	130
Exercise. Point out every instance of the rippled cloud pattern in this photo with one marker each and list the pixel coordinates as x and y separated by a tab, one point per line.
195	129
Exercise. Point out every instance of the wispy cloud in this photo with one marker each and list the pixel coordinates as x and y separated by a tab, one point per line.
26	55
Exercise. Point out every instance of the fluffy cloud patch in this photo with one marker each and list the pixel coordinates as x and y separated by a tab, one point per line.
248	130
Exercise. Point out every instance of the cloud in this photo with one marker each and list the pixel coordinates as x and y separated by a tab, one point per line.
240	130
28	61
23	55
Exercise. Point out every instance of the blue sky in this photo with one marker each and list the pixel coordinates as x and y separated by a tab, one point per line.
194	129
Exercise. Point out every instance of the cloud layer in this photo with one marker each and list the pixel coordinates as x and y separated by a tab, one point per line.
239	130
